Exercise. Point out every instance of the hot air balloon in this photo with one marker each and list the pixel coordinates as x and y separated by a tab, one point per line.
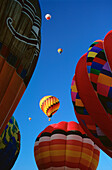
9	145
65	146
91	95
87	123
107	47
48	16
60	50
19	51
49	105
30	118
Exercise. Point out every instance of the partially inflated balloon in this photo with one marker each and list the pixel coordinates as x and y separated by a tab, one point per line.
19	51
65	146
91	95
49	105
9	145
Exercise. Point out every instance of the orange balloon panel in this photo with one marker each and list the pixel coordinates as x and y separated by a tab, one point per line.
65	145
49	105
19	52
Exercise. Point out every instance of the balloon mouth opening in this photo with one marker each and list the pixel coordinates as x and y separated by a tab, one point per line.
49	117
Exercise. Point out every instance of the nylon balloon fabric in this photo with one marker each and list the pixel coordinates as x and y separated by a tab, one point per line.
20	40
91	95
9	145
65	146
49	105
87	123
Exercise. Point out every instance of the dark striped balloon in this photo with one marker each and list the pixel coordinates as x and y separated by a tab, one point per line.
20	41
65	146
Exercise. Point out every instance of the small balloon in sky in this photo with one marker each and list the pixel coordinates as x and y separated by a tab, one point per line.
49	105
48	16
30	118
60	50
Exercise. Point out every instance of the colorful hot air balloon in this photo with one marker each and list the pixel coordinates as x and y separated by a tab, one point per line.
65	146
48	16
30	118
87	123
9	145
91	95
60	50
49	105
19	51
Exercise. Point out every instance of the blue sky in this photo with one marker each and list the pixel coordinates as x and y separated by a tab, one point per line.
74	25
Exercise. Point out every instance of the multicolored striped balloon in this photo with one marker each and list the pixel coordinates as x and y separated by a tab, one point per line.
9	145
100	74
49	105
65	146
91	92
87	123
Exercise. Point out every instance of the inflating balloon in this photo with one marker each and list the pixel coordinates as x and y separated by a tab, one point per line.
48	16
19	51
91	95
49	105
65	146
60	50
9	145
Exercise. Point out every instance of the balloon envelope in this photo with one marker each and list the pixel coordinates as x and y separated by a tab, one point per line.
9	145
48	16
60	50
19	51
49	105
30	118
65	146
91	96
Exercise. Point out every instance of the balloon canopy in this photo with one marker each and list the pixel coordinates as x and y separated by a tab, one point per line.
30	118
9	145
19	51
65	146
60	50
91	93
49	105
48	16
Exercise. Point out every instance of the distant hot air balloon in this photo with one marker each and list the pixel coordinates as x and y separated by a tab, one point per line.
49	105
91	95
30	118
65	146
48	16
60	50
9	145
19	51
